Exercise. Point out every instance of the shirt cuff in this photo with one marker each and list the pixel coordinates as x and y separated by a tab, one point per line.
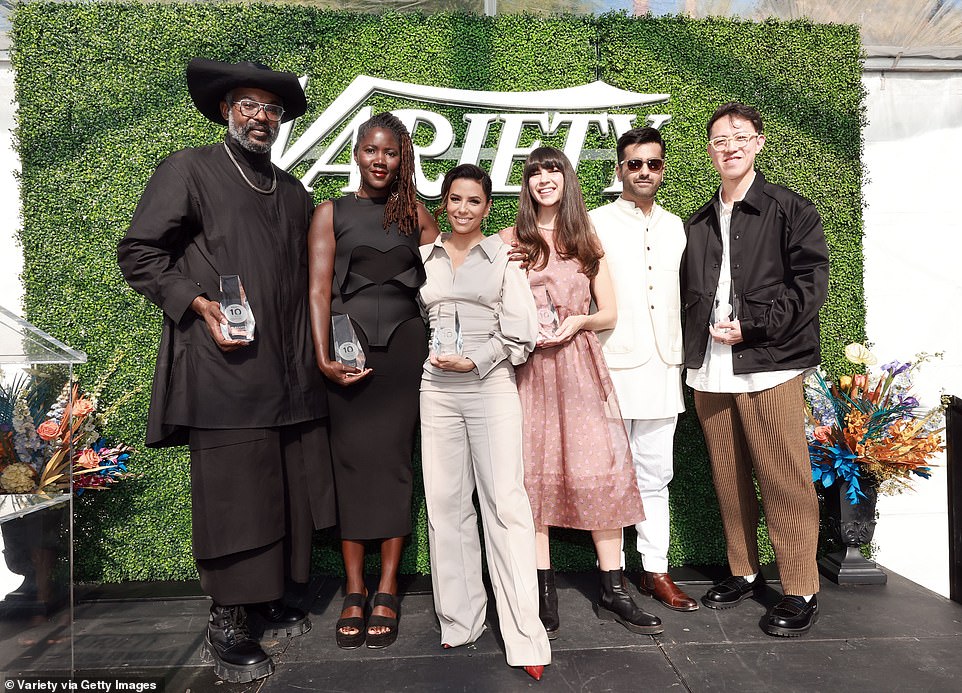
178	299
485	359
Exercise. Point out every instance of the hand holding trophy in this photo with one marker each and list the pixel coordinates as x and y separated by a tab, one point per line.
547	319
347	347
446	337
233	304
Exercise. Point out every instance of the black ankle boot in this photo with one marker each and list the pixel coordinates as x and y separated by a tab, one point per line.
548	603
237	657
279	620
616	604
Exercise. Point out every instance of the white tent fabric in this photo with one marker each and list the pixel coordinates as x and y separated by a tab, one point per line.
890	28
913	240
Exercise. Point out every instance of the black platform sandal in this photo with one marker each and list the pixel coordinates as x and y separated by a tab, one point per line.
378	640
351	641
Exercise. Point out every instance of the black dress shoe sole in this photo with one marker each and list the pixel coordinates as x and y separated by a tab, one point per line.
284	630
608	615
783	632
236	673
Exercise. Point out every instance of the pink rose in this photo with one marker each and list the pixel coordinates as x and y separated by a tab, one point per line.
859	381
49	430
821	433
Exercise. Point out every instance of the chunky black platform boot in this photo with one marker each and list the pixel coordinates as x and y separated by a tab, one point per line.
237	657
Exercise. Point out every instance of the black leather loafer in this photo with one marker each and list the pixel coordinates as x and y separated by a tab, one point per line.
792	616
731	592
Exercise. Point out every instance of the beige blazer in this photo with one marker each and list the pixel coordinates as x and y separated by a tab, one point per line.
644	256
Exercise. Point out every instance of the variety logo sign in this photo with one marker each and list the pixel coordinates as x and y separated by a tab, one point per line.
548	112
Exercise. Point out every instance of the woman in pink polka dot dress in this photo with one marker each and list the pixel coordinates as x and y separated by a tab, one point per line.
577	465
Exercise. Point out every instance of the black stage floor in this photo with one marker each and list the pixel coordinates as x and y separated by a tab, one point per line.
896	637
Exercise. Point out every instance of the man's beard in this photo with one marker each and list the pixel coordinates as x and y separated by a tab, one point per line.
242	134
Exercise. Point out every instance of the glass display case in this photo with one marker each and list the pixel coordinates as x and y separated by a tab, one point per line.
36	500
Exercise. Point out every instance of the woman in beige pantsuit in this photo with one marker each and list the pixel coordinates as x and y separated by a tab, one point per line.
471	428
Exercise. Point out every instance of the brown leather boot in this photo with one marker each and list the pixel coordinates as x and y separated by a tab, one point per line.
661	587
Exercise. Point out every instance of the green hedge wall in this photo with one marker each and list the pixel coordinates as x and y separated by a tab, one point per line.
102	98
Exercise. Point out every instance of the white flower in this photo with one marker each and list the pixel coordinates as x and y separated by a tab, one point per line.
859	353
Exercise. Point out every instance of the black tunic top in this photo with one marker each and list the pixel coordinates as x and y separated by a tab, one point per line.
198	219
377	272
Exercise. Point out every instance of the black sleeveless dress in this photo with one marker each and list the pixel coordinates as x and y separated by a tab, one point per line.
377	274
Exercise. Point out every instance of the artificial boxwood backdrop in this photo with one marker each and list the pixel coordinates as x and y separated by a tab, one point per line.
102	99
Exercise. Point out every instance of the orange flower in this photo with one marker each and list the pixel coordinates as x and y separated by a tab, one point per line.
821	433
88	459
49	430
82	407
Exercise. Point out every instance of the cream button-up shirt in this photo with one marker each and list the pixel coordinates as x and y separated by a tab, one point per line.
494	304
644	351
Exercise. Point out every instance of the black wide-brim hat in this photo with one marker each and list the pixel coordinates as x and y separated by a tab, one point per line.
208	82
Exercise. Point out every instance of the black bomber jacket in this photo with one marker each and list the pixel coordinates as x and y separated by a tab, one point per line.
779	269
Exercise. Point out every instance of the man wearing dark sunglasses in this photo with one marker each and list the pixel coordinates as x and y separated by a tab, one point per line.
253	411
643	245
754	276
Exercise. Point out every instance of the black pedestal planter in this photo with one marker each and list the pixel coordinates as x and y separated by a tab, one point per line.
855	525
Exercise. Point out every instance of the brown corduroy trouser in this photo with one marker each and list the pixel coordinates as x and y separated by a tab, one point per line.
765	432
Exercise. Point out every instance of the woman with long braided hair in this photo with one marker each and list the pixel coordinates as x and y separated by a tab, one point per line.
365	263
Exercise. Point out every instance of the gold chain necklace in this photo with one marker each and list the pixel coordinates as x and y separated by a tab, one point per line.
248	180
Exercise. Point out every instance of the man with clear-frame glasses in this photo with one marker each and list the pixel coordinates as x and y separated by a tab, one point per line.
754	276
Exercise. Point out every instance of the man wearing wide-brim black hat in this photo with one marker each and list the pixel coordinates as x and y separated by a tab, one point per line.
253	411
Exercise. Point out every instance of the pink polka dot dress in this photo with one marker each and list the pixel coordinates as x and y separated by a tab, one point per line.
577	464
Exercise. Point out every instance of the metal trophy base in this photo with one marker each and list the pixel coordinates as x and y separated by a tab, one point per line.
849	567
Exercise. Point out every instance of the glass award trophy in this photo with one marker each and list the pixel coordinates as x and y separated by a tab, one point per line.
347	348
234	306
723	311
548	317
447	337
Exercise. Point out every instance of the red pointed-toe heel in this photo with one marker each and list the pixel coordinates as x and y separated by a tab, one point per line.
535	671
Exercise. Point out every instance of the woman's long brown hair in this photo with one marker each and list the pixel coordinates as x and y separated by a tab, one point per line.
574	236
402	206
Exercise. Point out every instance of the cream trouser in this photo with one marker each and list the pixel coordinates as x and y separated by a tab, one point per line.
652	451
473	439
